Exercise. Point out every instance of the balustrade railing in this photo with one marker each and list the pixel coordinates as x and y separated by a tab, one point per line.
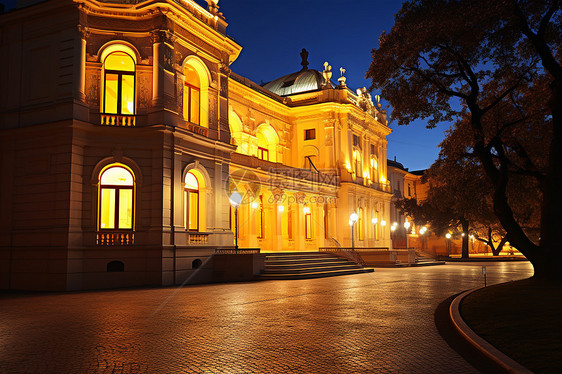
197	238
115	238
118	120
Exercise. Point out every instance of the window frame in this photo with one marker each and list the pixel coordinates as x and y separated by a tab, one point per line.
120	74
310	134
308	226
117	189
263	153
191	87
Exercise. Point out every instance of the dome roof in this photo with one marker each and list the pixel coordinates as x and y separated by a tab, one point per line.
301	81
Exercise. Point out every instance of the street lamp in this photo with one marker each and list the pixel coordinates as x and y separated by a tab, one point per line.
448	236
235	200
352	219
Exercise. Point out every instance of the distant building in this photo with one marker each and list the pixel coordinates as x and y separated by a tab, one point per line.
123	134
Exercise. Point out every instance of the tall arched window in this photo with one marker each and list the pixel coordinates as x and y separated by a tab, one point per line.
196	92
268	143
191	201
192	96
116	198
119	81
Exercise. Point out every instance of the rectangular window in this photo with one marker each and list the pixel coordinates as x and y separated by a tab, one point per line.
326	219
290	224
192	210
263	154
194	106
125	211
128	94
360	224
372	149
261	217
377	215
309	134
107	208
308	226
357	141
111	91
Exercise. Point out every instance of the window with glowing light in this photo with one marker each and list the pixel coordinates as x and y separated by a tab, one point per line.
308	224
119	83
290	223
192	96
360	221
260	214
116	198
191	202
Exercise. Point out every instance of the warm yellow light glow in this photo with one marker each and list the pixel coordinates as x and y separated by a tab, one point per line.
116	187
119	82
392	228
448	236
374	220
353	217
191	181
406	225
306	209
255	205
383	223
280	208
383	179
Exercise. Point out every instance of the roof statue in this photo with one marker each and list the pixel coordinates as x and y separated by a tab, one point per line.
342	79
327	73
304	57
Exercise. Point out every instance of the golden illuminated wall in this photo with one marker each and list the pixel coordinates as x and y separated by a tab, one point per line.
316	139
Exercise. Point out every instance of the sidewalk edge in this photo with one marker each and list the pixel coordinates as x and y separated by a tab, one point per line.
507	363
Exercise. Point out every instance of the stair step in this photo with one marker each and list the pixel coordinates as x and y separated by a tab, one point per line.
323	274
311	269
305	265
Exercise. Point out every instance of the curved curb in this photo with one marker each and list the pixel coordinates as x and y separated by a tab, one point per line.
488	350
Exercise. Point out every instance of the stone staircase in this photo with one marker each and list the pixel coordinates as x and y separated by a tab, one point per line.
306	265
424	260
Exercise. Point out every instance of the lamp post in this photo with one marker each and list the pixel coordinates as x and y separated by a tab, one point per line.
448	236
407	227
352	219
235	200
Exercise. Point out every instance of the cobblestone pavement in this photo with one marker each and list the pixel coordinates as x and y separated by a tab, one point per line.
367	323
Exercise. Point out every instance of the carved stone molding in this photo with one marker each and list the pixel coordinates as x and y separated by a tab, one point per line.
84	31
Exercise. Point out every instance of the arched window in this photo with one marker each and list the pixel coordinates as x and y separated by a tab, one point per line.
192	99
237	135
116	198
118	81
268	143
191	201
263	147
195	92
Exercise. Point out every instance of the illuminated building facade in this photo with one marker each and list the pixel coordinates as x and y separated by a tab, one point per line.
124	132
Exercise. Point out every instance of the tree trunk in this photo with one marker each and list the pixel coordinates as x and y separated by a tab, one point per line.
496	251
549	263
464	251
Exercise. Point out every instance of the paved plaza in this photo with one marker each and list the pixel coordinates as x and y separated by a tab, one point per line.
367	323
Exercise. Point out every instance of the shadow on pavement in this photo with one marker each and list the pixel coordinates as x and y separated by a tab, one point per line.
448	332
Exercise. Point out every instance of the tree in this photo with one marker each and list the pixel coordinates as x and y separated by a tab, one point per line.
476	60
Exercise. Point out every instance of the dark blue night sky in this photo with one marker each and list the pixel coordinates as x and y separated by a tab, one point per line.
272	34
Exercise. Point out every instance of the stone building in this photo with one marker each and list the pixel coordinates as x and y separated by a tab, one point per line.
124	133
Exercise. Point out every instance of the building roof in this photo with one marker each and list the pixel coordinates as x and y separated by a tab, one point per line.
395	164
302	81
